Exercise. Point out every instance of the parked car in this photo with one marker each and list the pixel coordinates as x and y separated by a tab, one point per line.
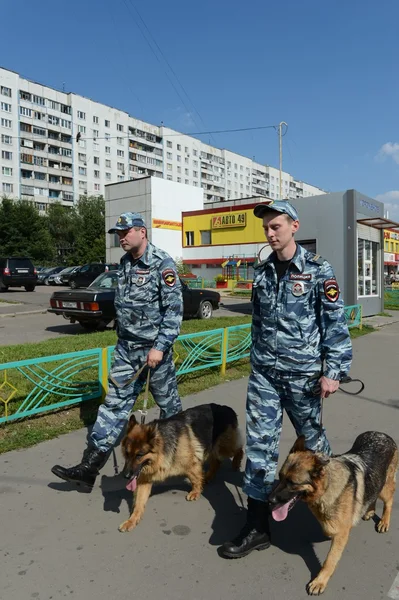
17	271
88	273
93	307
65	275
44	274
55	278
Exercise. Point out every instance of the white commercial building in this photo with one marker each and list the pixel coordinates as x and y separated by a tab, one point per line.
161	204
57	146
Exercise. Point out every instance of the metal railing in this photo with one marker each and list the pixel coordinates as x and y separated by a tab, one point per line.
30	387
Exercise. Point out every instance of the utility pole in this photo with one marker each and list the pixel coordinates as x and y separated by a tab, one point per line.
280	136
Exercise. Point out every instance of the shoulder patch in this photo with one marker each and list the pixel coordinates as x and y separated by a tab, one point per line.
169	277
315	258
331	290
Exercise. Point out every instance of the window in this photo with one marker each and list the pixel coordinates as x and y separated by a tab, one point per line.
186	181
95	133
96	160
195	173
120	177
97	187
120	153
195	153
168	166
38	100
119	141
82	128
6	155
81	115
195	163
179	180
25	96
95	120
54	105
179	169
82	143
66	109
186	160
189	238
6	123
82	157
169	144
6	107
66	151
169	155
52	120
65	123
6	139
107	150
107	123
82	171
119	127
368	267
186	149
41	176
178	158
169	177
7	171
8	188
108	163
179	147
205	238
39	161
6	91
120	166
108	176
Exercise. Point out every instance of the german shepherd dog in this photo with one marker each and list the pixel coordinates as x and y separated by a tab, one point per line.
338	490
179	445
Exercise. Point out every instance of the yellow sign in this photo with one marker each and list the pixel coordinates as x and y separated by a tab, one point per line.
229	220
162	224
395	285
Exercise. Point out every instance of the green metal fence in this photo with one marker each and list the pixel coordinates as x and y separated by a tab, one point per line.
30	387
391	298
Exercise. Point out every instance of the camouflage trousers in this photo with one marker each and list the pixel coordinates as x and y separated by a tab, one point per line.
269	393
113	413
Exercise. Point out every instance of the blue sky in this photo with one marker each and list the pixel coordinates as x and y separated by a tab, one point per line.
329	69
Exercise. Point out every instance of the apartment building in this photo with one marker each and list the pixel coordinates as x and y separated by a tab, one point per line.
57	146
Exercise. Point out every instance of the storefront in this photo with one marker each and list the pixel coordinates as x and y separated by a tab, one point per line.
391	255
346	228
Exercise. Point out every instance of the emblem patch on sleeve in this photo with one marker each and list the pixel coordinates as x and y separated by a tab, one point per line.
331	290
169	277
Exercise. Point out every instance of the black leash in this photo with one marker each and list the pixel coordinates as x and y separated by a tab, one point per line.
347	380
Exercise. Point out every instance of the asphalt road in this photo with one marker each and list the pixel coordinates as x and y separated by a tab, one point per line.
56	543
28	328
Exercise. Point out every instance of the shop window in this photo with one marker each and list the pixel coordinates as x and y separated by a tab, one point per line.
367	268
189	238
206	238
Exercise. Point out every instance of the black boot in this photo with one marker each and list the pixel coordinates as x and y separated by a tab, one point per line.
86	471
255	535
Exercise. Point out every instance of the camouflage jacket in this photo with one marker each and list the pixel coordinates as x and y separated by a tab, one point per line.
148	299
299	323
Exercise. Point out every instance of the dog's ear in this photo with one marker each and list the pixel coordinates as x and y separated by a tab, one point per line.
319	462
299	445
132	422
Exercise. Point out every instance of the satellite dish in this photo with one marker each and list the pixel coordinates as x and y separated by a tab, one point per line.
264	252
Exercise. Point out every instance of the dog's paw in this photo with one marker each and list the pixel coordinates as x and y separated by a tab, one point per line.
193	496
127	526
383	526
316	587
369	515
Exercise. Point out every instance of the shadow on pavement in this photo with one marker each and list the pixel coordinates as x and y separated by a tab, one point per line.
244	308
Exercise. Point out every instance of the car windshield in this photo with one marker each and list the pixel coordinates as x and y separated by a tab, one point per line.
106	280
67	270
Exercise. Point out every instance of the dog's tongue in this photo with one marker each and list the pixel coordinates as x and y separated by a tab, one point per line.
131	486
280	512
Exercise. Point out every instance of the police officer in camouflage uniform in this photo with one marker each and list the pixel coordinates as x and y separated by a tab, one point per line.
300	350
149	311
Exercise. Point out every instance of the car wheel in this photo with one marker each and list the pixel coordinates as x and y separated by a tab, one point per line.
90	325
30	288
73	285
205	310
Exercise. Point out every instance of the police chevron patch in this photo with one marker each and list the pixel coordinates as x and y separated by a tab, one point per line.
331	290
169	277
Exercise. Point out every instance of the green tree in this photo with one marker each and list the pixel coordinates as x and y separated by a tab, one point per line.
23	232
90	233
62	223
182	268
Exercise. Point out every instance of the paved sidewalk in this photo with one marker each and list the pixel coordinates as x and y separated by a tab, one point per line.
58	543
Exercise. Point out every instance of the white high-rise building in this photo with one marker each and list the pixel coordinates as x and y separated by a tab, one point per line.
57	146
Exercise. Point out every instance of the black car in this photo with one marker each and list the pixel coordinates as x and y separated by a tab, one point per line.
84	276
94	307
17	271
65	275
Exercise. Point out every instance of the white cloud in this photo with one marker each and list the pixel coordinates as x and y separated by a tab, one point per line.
391	203
390	149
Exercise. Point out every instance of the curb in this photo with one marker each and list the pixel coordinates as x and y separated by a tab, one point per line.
26	312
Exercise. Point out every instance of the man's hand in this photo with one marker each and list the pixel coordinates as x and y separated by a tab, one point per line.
154	357
328	386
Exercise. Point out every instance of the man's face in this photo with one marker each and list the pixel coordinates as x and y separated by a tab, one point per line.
131	239
279	230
